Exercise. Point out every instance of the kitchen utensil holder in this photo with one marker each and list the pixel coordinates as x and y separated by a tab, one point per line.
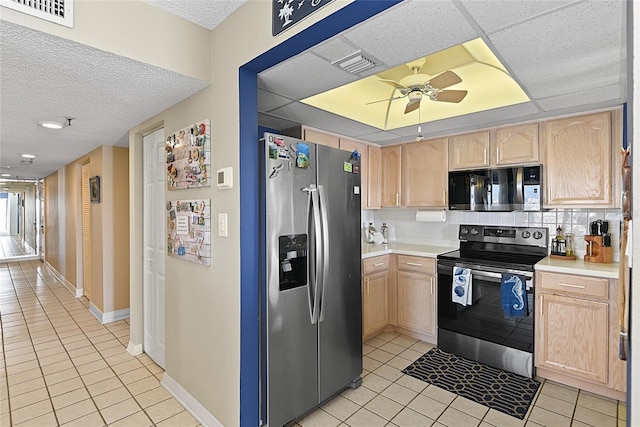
596	251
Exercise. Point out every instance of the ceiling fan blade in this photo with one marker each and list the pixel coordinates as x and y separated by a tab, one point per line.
393	83
446	79
412	106
388	99
451	95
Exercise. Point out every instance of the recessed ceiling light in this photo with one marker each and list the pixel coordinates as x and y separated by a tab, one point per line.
51	125
6	174
29	156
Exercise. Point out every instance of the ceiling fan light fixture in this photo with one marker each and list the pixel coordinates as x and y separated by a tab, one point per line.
49	124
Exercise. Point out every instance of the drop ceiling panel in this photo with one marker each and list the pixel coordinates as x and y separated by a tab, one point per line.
335	48
583	53
276	123
606	95
267	101
379	137
303	76
492	15
411	30
314	117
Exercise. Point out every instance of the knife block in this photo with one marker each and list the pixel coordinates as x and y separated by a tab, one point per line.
599	253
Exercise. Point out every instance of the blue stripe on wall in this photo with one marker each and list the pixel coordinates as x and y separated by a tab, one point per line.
250	274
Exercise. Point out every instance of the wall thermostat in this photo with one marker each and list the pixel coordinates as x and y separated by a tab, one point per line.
225	178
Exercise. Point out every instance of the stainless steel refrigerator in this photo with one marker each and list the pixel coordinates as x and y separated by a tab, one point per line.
311	310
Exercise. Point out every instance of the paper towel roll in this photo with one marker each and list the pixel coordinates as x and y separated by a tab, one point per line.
431	216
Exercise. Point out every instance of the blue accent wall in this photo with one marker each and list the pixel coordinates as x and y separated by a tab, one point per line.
250	274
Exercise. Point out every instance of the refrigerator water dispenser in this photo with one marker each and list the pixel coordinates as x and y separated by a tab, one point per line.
293	261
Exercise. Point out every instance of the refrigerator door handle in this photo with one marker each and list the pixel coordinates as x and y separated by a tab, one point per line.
315	251
323	271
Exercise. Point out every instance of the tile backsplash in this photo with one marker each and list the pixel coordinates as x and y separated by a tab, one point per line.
403	226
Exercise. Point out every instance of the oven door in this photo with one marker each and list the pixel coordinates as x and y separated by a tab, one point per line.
481	331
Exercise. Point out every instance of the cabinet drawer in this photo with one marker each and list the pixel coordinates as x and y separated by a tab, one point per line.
573	285
372	265
416	263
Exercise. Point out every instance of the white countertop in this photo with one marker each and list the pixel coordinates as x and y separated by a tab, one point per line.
593	269
608	271
370	250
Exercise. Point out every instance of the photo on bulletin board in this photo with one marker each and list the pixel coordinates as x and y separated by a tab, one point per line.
189	230
94	189
189	156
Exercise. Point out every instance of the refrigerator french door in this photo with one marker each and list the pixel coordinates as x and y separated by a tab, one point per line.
311	314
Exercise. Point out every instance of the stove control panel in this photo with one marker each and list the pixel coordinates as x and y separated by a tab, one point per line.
529	236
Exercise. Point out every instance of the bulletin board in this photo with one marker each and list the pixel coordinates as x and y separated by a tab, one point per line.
189	156
189	230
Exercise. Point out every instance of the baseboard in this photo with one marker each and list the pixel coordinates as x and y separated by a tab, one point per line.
109	316
196	409
134	349
67	284
114	316
96	312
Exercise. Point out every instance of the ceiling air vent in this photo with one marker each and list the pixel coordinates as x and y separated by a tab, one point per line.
355	63
57	11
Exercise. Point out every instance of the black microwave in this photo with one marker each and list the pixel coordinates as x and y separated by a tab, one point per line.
496	190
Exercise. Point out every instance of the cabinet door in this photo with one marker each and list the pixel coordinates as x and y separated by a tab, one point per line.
390	165
469	151
516	145
577	165
572	337
375	177
321	138
351	145
375	303
417	302
424	173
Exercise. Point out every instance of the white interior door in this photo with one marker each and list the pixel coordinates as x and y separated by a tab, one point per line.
154	245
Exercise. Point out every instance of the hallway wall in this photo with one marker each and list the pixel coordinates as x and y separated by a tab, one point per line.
109	226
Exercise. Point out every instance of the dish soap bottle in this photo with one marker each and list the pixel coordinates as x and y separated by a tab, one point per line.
385	233
371	231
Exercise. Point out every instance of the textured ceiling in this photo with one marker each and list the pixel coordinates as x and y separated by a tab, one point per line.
105	93
564	55
206	13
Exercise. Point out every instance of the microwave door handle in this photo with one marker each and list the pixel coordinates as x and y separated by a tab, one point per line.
519	187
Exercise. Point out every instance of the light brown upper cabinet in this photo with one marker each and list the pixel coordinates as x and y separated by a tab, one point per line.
424	173
469	151
363	149
390	186
313	135
512	145
515	145
374	177
578	163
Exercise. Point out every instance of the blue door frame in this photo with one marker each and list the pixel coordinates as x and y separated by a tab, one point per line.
350	15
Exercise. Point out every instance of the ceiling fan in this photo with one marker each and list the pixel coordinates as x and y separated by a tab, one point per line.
416	85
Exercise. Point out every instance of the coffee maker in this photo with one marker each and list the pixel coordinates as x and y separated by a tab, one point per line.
599	243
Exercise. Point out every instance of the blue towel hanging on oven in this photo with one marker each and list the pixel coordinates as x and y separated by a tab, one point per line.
513	290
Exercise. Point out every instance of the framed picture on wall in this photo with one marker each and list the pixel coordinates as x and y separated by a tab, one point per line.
94	189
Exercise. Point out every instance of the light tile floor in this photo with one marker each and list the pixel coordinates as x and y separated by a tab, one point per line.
387	397
13	248
60	366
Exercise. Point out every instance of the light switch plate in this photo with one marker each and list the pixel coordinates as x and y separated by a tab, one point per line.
222	225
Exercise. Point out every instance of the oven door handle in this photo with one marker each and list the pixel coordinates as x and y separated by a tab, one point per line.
497	276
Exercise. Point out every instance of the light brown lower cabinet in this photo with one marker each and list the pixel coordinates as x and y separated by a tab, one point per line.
576	333
416	295
375	295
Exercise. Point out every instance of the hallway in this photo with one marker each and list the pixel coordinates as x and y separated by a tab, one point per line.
13	248
60	366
